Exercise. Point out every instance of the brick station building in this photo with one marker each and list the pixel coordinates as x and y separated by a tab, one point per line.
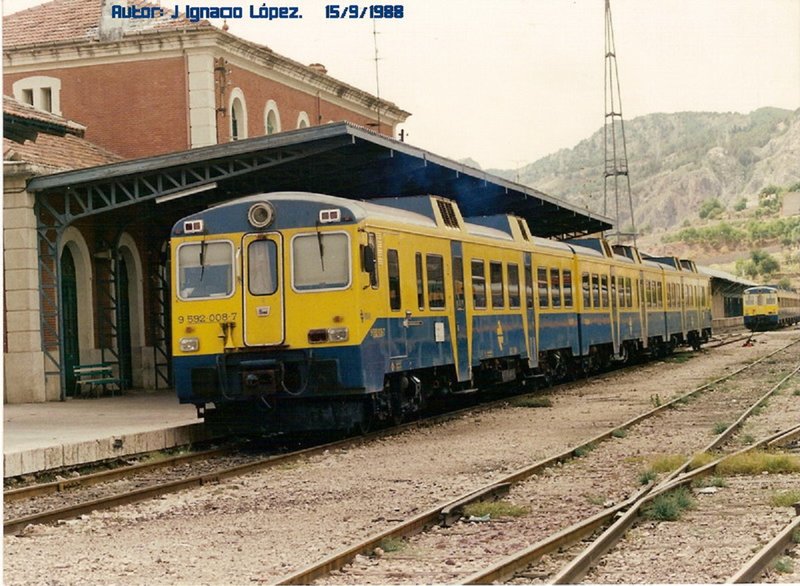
135	88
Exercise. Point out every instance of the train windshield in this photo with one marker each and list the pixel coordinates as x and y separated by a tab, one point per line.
321	261
205	269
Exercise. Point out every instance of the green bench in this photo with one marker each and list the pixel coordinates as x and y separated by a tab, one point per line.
95	377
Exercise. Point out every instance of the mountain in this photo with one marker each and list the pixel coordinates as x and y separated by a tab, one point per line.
678	161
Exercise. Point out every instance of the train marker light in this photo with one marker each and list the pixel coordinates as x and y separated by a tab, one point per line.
330	216
189	344
193	226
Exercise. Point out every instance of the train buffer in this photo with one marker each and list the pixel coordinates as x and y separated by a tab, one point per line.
95	378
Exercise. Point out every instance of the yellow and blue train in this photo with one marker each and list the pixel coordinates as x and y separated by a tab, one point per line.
766	307
300	311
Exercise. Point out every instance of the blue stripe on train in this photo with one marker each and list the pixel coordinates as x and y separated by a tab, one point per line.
496	336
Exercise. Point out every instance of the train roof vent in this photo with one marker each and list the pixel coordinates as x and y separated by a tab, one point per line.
448	213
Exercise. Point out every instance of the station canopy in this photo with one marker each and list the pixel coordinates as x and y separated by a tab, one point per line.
338	159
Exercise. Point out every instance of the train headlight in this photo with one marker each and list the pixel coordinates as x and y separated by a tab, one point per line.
189	344
329	335
338	335
260	215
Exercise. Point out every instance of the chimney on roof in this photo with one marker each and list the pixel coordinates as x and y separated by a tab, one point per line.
318	67
111	29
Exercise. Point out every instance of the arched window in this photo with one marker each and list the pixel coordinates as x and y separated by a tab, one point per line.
238	115
302	120
272	118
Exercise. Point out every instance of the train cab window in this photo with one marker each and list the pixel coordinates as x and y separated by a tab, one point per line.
478	284
458	282
496	283
320	261
555	287
262	267
205	269
513	285
420	282
566	282
604	289
541	278
529	286
393	265
369	259
434	264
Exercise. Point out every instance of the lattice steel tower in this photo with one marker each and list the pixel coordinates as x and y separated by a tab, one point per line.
615	150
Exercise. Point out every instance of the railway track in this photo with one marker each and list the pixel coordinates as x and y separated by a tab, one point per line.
72	497
444	555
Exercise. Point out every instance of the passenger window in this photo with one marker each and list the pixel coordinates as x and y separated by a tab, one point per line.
478	284
496	281
595	290
660	289
585	286
628	292
604	289
393	263
567	284
541	277
555	287
435	271
420	282
529	286
458	282
513	286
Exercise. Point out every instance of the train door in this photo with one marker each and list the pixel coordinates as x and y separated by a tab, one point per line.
533	357
643	311
459	296
263	289
615	321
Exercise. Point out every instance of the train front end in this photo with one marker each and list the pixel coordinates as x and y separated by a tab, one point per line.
267	319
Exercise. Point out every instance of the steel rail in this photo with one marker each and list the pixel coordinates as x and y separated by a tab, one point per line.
46	488
759	562
625	513
344	557
69	512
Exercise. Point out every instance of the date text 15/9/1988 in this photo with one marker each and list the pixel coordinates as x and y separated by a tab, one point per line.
344	11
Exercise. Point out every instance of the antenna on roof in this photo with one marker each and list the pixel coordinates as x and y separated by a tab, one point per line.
377	77
615	149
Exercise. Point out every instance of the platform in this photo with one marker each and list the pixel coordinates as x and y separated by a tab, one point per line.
44	436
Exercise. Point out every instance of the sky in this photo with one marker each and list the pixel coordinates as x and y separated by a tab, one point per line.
506	82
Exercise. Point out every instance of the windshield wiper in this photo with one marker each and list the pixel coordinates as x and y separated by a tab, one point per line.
202	258
321	249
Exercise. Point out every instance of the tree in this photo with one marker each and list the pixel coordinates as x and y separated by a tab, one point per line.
711	208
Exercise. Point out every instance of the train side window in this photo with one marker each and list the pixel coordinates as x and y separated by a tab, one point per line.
435	270
555	287
420	282
660	296
604	289
458	282
585	286
496	283
478	284
595	290
541	277
513	285
393	264
262	267
567	283
628	292
529	286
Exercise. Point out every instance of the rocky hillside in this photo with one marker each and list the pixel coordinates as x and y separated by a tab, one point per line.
678	161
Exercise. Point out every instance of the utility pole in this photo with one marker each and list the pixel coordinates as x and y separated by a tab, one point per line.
615	150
